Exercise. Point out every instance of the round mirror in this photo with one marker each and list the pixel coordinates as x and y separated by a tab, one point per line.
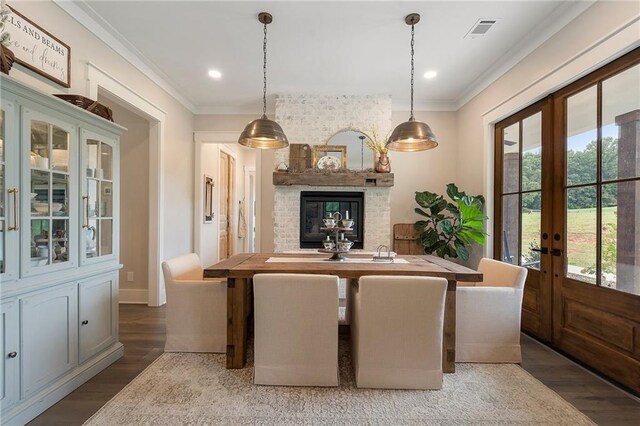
358	155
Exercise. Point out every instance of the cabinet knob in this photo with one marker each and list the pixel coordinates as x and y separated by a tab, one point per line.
12	354
85	322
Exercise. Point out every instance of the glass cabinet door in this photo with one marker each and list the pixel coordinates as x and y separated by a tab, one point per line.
48	164
9	194
99	201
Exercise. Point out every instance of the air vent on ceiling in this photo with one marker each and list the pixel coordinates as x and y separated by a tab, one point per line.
481	27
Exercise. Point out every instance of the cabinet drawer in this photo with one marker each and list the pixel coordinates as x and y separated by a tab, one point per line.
49	336
98	304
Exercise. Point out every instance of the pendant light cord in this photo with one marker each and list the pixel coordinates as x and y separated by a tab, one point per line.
264	73
411	118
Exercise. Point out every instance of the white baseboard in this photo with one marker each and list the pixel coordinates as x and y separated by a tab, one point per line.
134	296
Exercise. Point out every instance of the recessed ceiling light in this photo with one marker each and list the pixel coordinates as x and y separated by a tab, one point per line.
430	74
215	74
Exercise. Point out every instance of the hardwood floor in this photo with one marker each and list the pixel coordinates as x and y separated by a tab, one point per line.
142	333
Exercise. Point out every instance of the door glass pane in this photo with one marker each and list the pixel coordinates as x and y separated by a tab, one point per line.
106	161
39	145
621	236
91	154
60	241
531	219
581	234
532	152
39	193
60	150
620	116
91	238
60	195
510	231
92	188
582	149
106	199
511	158
39	242
106	242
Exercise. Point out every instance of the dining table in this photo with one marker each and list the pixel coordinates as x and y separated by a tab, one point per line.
240	269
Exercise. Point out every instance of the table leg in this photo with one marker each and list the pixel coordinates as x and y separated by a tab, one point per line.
237	308
449	337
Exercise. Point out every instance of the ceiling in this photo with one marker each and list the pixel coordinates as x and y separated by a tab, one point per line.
348	47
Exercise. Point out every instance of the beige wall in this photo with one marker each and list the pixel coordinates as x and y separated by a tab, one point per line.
134	199
178	155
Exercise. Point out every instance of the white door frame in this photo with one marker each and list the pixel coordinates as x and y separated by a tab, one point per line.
98	81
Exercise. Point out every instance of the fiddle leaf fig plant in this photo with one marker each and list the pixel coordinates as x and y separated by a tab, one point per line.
451	226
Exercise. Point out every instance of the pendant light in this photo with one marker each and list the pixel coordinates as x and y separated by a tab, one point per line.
263	133
412	135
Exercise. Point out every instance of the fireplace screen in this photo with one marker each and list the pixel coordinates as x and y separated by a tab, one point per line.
315	206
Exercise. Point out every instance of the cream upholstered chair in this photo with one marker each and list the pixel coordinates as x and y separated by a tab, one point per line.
196	308
488	315
296	329
396	332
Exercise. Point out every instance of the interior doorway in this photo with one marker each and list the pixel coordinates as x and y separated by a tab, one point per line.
134	202
226	247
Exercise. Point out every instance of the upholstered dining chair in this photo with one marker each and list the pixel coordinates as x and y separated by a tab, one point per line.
196	308
296	329
396	331
488	315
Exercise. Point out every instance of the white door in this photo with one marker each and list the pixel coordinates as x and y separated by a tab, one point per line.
10	364
49	322
98	316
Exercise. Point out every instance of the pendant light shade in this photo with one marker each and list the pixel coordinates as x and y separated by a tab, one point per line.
412	135
263	133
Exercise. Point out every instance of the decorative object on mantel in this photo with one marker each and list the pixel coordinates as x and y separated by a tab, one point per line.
300	157
450	235
353	140
33	42
263	133
314	177
89	105
412	135
380	149
6	55
330	157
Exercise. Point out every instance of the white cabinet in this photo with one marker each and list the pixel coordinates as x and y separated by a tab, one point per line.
10	363
49	336
98	311
59	213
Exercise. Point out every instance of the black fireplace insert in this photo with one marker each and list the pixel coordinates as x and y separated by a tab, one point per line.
317	205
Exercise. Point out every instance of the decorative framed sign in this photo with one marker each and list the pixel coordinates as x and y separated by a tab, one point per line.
38	50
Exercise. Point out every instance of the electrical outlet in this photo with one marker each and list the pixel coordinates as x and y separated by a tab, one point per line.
129	276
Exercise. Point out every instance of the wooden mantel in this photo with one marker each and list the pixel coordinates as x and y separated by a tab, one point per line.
333	179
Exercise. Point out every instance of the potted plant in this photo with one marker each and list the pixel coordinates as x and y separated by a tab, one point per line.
379	146
6	55
450	226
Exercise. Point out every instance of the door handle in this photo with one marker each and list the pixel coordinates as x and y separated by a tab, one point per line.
12	354
541	250
15	226
85	200
556	252
85	322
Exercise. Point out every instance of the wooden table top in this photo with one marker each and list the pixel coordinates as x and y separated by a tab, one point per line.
245	265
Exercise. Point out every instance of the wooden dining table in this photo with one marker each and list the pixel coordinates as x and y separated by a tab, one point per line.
240	269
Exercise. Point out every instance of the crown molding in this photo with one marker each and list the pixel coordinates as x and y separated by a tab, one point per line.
563	14
84	14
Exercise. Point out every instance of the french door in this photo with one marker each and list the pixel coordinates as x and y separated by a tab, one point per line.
523	223
568	209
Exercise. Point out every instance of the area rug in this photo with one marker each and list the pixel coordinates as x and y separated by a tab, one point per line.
196	389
